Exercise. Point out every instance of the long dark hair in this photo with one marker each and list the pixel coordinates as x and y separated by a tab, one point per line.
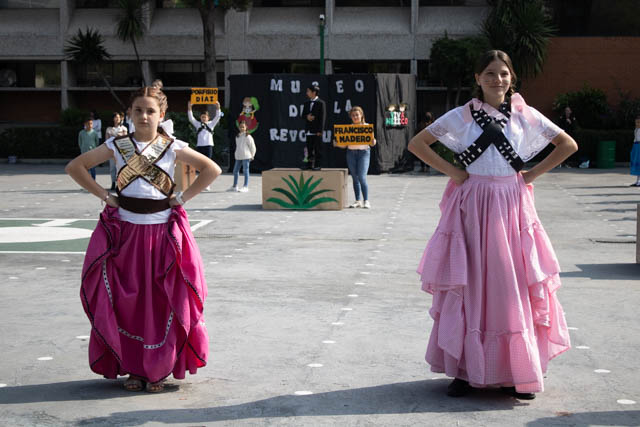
484	61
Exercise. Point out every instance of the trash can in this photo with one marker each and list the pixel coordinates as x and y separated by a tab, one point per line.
606	154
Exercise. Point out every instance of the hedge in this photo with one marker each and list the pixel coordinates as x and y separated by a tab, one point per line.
588	140
40	143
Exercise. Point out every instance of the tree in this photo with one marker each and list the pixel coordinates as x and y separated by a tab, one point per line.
131	27
452	61
207	9
88	49
522	29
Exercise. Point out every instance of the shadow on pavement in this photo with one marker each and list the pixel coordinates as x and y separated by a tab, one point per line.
398	398
605	418
620	271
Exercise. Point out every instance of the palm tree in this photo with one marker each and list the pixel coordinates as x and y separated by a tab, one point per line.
131	27
87	49
522	29
207	9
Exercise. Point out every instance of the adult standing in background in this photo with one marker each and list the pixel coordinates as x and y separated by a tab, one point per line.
97	124
568	123
112	131
314	113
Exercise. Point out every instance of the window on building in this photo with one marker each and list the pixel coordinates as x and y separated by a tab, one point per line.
97	4
288	3
118	73
422	3
358	67
172	4
30	74
284	67
185	74
373	3
29	4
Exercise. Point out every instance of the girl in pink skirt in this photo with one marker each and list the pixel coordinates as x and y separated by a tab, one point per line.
489	265
143	285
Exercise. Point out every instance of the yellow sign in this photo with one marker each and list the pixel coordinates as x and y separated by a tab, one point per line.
204	95
353	135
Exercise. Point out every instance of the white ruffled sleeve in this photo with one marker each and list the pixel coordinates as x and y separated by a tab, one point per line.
449	129
537	136
110	145
179	144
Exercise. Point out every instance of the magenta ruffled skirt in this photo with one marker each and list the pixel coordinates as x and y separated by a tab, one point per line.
494	275
143	289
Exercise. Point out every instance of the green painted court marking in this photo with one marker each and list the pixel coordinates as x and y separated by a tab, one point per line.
52	235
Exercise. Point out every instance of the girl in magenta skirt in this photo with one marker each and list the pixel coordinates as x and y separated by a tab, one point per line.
143	286
489	265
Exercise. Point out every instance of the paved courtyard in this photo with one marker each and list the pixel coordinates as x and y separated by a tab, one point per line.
315	318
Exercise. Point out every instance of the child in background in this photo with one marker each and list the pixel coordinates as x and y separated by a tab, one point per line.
490	265
112	131
88	140
204	129
635	154
245	152
143	287
97	124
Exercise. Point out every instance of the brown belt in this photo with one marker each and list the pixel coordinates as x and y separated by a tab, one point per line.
143	206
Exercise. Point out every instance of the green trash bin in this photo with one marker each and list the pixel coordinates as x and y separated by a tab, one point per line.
606	154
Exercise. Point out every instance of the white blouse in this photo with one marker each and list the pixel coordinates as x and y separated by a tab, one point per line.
140	188
527	131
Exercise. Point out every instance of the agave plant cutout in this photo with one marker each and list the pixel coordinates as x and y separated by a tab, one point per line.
301	195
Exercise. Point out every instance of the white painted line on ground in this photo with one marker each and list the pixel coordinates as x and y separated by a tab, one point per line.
337	323
13	278
369	265
303	393
2	385
201	224
83	337
328	342
238	250
365	272
45	358
583	347
41	268
346	309
571	328
357	283
601	371
315	365
65	260
267	232
626	401
352	296
250	243
55	223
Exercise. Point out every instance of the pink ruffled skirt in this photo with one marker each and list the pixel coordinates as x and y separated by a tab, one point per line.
143	289
494	275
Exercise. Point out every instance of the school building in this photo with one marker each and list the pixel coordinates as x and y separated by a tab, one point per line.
272	36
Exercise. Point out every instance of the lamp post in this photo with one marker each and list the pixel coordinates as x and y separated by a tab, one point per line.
321	31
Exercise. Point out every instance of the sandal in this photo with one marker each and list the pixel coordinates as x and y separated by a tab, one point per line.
133	384
155	387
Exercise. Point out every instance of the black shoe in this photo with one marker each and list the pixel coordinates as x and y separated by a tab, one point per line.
316	168
511	391
458	388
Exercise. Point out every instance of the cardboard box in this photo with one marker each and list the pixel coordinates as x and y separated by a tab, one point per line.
183	176
289	188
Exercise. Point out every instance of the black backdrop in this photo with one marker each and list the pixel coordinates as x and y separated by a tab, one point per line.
280	138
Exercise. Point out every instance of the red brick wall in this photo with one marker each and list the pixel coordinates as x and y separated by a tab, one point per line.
607	63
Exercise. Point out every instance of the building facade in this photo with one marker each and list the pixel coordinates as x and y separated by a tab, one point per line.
37	82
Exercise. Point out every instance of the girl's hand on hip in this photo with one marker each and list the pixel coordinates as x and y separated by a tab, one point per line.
460	176
113	201
527	177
